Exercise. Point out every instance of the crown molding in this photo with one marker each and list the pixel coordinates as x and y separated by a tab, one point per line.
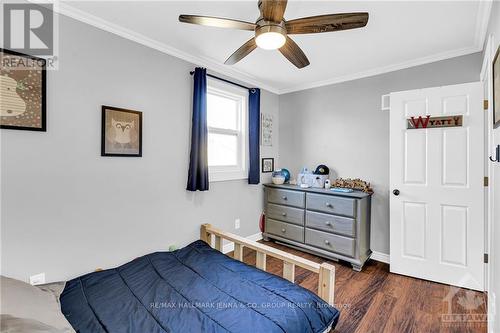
383	70
67	10
482	19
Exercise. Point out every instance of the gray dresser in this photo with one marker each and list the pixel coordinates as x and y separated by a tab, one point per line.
329	224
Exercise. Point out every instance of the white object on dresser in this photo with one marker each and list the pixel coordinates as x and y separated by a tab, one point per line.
437	204
312	180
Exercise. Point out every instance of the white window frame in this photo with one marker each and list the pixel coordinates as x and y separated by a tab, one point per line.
239	171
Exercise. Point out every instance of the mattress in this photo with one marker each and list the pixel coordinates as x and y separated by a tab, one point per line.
194	289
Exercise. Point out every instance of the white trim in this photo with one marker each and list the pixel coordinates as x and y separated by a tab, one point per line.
229	247
486	71
491	311
385	69
487	58
385	103
240	96
482	19
379	256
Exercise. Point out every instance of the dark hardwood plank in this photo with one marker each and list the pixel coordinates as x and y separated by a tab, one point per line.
375	300
380	308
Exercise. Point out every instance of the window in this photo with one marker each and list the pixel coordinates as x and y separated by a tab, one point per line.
227	114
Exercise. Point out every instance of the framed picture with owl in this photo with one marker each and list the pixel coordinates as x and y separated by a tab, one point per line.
121	132
23	80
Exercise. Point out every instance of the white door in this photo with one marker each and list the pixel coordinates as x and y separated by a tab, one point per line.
437	185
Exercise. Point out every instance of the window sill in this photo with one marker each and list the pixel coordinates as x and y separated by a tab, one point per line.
227	176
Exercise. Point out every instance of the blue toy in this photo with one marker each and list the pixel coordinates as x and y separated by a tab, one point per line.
286	173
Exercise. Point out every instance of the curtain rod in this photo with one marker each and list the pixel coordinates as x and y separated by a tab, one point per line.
227	81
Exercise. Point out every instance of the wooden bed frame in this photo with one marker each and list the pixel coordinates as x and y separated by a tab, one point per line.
326	286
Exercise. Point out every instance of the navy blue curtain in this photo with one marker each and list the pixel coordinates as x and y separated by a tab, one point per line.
254	135
198	161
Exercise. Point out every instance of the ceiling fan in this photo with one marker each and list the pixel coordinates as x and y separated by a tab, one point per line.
272	30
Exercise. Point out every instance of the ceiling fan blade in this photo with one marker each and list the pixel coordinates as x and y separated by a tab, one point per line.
242	52
326	23
294	54
272	10
217	22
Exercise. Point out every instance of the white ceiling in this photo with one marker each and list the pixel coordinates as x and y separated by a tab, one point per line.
399	34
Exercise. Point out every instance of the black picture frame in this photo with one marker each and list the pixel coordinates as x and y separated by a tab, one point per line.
496	89
266	159
43	97
104	110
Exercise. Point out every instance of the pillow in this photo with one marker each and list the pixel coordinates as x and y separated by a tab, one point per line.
24	304
10	324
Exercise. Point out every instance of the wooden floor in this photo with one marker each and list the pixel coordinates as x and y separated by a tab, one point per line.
375	300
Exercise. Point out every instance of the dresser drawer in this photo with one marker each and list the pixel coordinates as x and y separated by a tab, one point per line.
286	197
285	230
331	204
331	223
284	213
330	242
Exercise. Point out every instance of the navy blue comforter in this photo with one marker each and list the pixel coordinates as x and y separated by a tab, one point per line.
195	289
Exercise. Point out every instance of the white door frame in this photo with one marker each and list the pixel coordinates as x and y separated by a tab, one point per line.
487	79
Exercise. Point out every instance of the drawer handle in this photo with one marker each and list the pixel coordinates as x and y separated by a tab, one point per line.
283	230
329	205
284	197
328	223
283	214
327	242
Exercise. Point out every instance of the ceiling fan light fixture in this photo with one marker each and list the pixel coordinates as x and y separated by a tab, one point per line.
270	40
270	36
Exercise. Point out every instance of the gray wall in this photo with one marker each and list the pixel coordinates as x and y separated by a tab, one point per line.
65	209
343	127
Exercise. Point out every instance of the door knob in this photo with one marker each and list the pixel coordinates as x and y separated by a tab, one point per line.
395	192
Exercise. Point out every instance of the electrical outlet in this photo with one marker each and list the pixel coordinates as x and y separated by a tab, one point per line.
237	224
37	279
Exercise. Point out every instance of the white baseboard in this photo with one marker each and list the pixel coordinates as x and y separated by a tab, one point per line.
229	247
379	256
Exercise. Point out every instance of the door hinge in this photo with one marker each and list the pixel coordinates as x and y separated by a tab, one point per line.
486	258
485	104
486	181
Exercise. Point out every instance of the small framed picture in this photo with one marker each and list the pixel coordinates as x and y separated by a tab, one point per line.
23	82
496	89
267	165
121	132
266	129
